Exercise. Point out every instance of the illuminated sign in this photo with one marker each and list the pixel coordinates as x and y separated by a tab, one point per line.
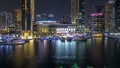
46	22
96	14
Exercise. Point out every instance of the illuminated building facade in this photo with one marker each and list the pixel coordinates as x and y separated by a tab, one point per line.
74	10
97	16
18	20
53	29
6	21
109	16
117	15
27	18
3	20
78	12
11	23
82	14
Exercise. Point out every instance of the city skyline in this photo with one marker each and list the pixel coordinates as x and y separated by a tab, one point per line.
58	7
59	33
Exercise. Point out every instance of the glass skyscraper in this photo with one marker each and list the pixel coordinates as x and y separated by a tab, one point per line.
27	14
117	15
78	12
27	18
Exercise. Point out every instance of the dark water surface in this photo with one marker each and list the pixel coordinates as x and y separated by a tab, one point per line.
93	53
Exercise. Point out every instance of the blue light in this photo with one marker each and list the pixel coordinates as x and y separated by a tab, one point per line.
42	38
46	21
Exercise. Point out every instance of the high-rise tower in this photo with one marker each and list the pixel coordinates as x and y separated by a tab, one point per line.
82	14
109	16
27	18
117	15
78	12
97	19
18	20
74	10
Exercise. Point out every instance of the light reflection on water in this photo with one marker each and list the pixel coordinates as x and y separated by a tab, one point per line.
65	50
94	53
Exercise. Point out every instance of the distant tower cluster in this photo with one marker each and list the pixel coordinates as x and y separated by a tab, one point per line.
109	16
27	18
106	18
78	13
6	19
117	15
45	17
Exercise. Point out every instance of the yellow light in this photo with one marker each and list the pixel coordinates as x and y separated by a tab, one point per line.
30	37
31	41
22	37
98	35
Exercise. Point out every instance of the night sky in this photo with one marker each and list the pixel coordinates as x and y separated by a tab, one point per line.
57	7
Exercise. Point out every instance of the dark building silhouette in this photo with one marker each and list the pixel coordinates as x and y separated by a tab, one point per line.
117	15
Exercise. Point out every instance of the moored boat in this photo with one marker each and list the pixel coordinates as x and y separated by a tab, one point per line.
69	39
13	42
62	39
3	41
